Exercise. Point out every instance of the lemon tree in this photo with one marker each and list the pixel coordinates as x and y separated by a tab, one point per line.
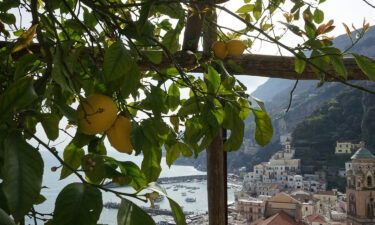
90	70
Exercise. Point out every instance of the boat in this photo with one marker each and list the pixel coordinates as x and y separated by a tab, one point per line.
183	193
191	191
175	189
111	205
189	199
159	199
166	222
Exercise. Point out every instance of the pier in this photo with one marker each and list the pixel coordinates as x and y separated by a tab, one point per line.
150	211
169	180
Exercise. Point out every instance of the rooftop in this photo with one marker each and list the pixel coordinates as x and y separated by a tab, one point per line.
363	153
280	218
320	192
316	218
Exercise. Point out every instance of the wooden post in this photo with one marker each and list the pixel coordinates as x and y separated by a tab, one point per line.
216	171
193	29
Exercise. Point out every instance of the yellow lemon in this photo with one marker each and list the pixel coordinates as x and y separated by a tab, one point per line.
119	135
220	49
96	114
235	47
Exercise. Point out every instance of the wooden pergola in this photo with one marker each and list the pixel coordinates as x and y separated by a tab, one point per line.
251	65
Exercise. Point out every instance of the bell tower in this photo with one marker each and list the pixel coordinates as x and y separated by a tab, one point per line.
360	190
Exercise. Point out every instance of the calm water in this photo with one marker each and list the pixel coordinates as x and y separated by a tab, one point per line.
108	216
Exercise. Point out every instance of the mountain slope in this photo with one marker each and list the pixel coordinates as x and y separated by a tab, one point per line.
307	99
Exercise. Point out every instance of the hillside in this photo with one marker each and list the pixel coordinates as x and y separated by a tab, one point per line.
308	101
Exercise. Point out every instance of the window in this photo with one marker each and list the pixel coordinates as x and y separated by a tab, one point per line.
306	209
369	181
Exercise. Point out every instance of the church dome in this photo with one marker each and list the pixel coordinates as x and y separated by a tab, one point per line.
363	153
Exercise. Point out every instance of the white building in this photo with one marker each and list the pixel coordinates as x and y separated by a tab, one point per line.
281	172
345	147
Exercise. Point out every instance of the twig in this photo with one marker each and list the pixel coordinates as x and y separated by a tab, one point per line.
368	3
291	94
54	153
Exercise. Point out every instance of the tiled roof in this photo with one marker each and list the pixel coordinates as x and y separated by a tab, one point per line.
305	198
363	153
316	218
320	192
280	218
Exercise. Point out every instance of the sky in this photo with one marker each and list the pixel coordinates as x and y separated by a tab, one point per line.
341	11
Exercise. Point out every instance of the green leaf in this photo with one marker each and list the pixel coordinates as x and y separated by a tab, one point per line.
233	122
94	168
138	179
151	162
120	69
23	64
213	79
318	16
50	123
257	9
367	66
178	214
40	200
23	173
89	18
96	146
17	96
173	96
59	73
259	103
5	219
338	65
5	5
299	65
3	200
7	18
157	100
171	38
245	107
245	8
172	154
337	61
78	204
81	139
263	127
320	60
155	57
190	106
154	186
173	10
73	157
130	214
175	121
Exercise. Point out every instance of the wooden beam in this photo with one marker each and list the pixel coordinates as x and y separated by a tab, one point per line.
216	173
270	66
249	64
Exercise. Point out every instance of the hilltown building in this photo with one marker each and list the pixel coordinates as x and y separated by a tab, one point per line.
282	172
345	147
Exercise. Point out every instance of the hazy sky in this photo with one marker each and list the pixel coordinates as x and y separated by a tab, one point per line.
342	11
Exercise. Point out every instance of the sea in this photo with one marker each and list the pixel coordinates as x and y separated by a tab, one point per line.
52	186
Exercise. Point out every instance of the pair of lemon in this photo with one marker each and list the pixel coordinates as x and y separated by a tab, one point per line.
223	49
98	113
